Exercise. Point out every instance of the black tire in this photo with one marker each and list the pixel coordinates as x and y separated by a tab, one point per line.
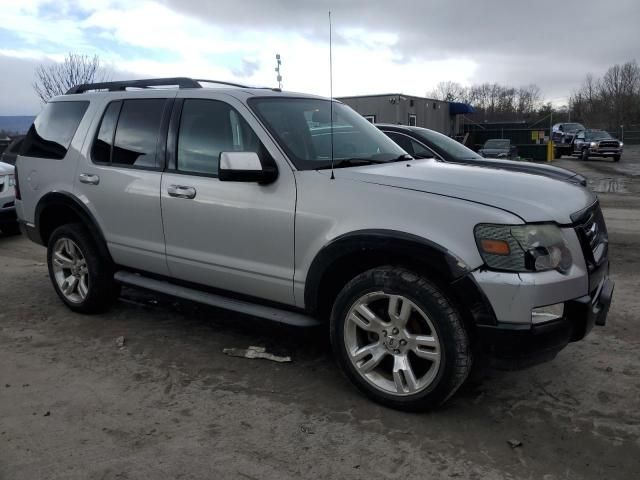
455	349
584	155
557	154
616	158
102	289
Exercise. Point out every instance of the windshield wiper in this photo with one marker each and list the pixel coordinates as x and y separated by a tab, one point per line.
404	157
356	161
352	162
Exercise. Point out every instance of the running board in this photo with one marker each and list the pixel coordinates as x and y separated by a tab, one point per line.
269	313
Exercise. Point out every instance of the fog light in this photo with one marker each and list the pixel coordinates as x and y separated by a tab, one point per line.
548	313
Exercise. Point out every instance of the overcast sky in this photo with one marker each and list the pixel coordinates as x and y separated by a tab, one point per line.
380	46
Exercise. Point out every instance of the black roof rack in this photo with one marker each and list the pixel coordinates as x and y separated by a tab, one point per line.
180	82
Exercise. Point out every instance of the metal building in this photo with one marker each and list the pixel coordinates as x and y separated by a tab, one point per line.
398	108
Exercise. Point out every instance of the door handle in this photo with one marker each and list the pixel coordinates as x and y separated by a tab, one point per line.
181	191
89	179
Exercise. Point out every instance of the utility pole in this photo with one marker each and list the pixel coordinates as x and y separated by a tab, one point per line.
278	77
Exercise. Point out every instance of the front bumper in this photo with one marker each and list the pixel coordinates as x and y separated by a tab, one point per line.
605	152
519	345
512	346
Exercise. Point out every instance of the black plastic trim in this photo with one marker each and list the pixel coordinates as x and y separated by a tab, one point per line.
444	263
513	346
69	200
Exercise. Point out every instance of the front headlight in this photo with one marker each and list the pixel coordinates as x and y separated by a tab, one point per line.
621	144
593	144
523	248
12	180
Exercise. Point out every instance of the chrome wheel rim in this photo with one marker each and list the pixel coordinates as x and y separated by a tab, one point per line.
70	270
392	343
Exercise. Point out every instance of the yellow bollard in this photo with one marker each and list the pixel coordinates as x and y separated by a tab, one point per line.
549	150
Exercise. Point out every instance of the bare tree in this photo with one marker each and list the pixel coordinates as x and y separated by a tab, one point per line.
610	101
56	79
448	91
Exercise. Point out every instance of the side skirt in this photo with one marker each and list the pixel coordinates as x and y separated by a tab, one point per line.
262	311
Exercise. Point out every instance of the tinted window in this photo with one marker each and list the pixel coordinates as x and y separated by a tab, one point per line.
410	146
599	135
137	132
52	131
101	150
207	128
448	147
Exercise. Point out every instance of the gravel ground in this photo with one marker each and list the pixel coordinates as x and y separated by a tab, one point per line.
169	404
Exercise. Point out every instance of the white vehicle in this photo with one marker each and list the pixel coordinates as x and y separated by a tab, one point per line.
8	220
244	198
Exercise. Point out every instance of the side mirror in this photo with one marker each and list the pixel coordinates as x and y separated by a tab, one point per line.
245	167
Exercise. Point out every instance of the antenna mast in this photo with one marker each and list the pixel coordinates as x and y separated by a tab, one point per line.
331	95
278	77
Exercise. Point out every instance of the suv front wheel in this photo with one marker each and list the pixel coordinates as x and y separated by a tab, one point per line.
399	339
81	277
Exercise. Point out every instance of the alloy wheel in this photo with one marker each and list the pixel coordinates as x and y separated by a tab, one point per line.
392	343
70	270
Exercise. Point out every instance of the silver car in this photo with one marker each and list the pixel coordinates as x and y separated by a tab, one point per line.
295	209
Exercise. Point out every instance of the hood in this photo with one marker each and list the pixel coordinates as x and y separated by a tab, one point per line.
529	167
6	169
534	198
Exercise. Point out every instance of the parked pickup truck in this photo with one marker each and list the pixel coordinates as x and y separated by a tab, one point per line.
233	197
563	135
597	143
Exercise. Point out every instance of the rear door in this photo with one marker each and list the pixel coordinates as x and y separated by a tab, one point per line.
236	236
119	178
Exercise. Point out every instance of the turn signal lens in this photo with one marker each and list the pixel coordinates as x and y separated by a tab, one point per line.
495	247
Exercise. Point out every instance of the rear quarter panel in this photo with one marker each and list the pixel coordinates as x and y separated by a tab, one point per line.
39	176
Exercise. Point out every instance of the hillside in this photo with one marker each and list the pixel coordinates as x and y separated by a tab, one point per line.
16	123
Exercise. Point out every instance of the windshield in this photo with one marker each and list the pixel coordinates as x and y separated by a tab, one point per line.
497	143
572	127
302	127
598	135
449	146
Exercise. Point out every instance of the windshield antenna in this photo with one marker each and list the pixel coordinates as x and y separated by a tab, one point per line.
331	95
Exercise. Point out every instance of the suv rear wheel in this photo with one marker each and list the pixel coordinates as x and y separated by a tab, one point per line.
80	276
399	339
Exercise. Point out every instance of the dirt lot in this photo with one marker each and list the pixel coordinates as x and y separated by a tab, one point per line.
170	404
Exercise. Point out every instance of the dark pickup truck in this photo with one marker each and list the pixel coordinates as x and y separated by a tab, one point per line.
563	135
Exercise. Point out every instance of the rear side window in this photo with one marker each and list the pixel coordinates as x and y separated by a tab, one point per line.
137	133
52	131
101	150
128	133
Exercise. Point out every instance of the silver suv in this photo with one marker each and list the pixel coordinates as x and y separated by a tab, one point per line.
296	209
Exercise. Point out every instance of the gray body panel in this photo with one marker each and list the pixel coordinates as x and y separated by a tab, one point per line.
329	208
532	198
233	235
126	201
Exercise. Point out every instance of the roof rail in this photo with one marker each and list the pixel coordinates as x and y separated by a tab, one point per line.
204	80
180	82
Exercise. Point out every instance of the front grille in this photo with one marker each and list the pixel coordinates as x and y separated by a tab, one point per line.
592	232
608	144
